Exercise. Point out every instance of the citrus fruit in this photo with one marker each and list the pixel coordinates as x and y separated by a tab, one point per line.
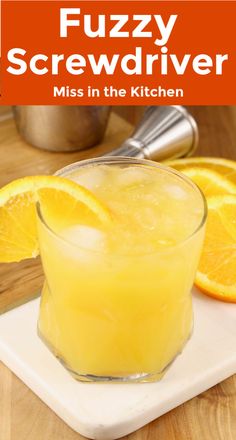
225	167
216	273
61	202
211	182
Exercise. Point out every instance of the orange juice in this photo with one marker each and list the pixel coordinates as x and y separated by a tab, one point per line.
116	303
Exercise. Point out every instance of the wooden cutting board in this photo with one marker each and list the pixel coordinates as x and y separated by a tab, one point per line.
20	282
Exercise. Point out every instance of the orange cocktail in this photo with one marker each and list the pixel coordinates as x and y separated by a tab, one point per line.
116	303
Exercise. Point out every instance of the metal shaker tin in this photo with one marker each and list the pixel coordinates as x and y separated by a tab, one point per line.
61	128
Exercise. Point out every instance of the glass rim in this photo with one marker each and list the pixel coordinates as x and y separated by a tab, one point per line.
108	160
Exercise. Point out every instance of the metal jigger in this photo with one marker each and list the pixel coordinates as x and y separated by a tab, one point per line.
164	132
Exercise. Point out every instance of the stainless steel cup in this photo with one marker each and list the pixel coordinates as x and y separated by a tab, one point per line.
164	132
61	128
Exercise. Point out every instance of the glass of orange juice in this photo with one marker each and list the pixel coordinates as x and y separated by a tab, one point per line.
116	304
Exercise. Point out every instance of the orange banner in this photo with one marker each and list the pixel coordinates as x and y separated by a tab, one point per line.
88	52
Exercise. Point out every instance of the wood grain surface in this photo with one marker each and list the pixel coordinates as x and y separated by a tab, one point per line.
209	416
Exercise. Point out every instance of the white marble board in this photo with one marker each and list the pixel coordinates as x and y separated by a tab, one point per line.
106	411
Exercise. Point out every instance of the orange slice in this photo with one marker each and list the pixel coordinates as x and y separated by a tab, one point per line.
211	182
62	202
216	275
225	167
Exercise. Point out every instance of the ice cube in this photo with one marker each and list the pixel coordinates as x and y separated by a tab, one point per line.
147	218
132	177
176	192
85	237
91	178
